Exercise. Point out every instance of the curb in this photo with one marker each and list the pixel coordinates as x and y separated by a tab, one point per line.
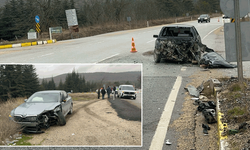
28	44
222	127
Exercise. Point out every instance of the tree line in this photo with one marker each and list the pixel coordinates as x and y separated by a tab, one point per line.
17	17
22	81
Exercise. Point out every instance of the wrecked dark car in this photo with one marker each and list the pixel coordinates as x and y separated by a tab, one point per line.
179	43
43	109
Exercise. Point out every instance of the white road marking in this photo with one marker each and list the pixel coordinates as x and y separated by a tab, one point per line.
47	54
161	130
210	33
107	58
183	68
151	41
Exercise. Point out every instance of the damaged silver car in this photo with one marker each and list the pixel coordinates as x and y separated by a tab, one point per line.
179	43
43	109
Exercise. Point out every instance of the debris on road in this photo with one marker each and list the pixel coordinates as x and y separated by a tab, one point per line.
195	91
214	60
168	143
205	128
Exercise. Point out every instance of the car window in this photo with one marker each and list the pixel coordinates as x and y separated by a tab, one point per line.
43	98
127	88
177	32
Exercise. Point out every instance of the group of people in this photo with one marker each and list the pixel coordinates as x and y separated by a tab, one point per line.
103	92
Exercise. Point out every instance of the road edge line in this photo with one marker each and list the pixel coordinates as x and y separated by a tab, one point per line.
162	127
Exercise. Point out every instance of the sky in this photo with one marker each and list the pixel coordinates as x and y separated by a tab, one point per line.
52	70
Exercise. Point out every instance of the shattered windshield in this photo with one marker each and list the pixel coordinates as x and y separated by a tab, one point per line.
177	32
44	98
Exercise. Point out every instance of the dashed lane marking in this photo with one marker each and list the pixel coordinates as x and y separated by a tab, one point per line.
107	58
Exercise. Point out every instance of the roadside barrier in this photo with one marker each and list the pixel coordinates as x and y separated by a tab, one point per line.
27	44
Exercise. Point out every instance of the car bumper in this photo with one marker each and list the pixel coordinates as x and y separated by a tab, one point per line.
128	95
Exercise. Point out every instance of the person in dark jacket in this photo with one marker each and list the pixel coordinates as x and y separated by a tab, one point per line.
108	91
103	92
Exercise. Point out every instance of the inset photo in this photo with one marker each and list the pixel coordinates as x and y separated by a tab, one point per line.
71	105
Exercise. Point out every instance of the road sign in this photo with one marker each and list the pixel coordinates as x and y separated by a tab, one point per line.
37	19
227	7
38	27
71	17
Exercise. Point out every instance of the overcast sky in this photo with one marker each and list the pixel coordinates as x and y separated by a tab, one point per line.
49	70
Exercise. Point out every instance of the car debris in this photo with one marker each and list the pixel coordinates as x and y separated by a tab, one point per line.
205	128
180	43
195	91
214	60
167	142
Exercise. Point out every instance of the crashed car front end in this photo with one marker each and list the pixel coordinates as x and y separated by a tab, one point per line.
34	124
179	50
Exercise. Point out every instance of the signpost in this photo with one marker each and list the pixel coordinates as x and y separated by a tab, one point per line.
236	9
37	19
54	30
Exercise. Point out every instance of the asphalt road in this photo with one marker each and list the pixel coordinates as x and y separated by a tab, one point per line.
158	79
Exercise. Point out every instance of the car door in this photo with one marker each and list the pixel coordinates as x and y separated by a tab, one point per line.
63	103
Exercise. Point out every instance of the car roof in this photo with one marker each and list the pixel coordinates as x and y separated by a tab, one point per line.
179	25
50	91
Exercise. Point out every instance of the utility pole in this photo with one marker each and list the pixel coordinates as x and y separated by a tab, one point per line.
238	40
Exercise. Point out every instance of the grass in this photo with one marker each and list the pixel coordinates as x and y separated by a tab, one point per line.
23	141
83	96
8	127
236	111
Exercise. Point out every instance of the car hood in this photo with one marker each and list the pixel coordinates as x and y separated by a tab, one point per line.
33	109
128	91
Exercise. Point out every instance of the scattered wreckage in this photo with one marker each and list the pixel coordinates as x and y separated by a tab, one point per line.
208	108
42	109
182	43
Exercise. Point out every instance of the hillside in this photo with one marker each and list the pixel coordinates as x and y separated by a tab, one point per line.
101	76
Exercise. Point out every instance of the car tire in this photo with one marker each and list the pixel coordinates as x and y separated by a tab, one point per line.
61	118
71	109
157	58
134	97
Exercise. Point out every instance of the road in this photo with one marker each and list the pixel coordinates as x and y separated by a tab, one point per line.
163	83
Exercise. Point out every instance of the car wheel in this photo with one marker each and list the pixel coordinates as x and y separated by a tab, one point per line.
61	118
71	109
134	97
157	58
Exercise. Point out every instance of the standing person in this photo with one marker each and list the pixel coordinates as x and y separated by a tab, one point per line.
98	93
108	91
114	88
103	92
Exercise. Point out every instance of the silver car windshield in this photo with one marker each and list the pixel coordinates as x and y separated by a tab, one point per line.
128	88
44	98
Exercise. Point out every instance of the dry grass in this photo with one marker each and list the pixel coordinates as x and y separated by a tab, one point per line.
83	96
8	127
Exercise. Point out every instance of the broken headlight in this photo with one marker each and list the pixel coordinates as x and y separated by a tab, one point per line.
57	109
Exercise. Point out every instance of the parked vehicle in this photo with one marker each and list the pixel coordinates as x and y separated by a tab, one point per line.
204	18
126	91
178	43
43	109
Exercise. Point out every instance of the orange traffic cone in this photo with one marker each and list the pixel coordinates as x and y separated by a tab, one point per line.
133	49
